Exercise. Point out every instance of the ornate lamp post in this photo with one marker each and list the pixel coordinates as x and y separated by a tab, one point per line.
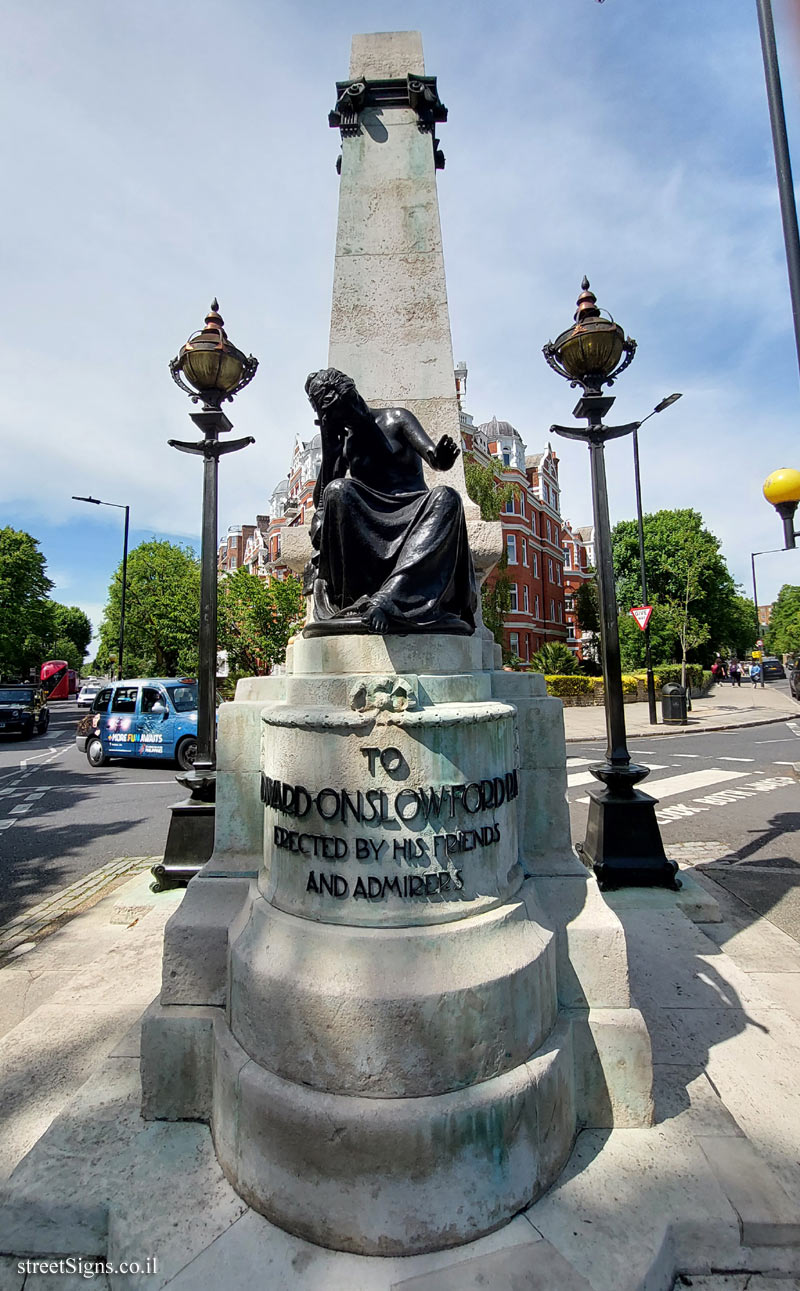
215	371
623	843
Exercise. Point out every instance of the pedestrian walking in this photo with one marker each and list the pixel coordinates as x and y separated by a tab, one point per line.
735	673
717	671
755	672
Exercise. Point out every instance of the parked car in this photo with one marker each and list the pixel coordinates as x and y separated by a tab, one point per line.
87	693
794	680
150	717
23	708
773	668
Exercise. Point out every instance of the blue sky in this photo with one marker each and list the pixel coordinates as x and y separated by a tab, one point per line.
159	154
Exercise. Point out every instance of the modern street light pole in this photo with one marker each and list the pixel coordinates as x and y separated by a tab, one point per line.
651	685
753	555
623	843
783	163
127	510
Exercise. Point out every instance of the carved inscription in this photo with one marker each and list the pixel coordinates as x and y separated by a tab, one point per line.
429	808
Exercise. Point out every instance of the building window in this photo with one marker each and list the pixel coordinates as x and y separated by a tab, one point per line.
533	522
560	613
524	552
567	561
569	602
512	591
550	569
558	574
510	506
536	613
527	647
545	493
549	532
552	610
511	548
513	643
525	605
506	458
535	565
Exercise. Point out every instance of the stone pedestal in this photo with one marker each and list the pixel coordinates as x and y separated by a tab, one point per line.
397	1020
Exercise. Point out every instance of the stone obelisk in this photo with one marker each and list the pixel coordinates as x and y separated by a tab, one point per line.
390	324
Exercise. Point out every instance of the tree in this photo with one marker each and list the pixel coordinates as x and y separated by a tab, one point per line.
162	612
687	577
554	658
71	623
486	488
587	607
587	616
496	599
491	493
26	613
256	620
71	634
783	633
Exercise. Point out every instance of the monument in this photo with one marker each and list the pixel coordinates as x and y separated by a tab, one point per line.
393	992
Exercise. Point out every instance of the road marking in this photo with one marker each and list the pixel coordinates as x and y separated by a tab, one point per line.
686	755
783	764
722	798
586	777
580	762
20	809
53	749
670	785
725	759
785	739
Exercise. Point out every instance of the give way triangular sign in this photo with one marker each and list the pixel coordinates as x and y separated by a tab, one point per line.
642	615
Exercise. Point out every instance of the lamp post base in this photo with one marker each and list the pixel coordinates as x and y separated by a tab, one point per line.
190	840
623	842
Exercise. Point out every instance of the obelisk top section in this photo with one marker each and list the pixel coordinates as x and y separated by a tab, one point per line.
387	55
390	326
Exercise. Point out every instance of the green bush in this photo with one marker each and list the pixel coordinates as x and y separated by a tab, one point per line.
671	672
563	686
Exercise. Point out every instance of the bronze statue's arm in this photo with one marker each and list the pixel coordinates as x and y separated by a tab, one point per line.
332	465
440	456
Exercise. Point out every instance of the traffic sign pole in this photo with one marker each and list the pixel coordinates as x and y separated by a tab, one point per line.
651	685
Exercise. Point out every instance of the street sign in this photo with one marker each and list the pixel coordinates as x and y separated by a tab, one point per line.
755	654
642	615
759	644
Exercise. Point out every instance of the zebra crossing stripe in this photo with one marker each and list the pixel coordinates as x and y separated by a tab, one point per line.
586	777
675	784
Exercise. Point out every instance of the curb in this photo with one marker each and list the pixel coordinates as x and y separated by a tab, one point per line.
660	731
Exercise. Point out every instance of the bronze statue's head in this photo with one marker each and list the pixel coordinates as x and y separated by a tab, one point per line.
331	389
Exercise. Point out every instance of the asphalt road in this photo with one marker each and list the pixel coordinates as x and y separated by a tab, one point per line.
736	792
61	819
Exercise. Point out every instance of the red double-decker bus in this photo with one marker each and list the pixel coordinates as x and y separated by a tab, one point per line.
54	677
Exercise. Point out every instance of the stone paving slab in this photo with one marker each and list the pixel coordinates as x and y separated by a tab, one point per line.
33	921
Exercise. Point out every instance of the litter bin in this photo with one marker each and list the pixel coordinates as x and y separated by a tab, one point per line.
673	705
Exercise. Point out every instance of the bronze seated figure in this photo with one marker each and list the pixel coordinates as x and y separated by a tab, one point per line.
390	554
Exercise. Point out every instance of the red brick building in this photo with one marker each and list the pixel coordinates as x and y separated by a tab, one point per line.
578	560
532	528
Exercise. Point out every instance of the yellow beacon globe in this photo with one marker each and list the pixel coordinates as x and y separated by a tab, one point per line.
782	485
